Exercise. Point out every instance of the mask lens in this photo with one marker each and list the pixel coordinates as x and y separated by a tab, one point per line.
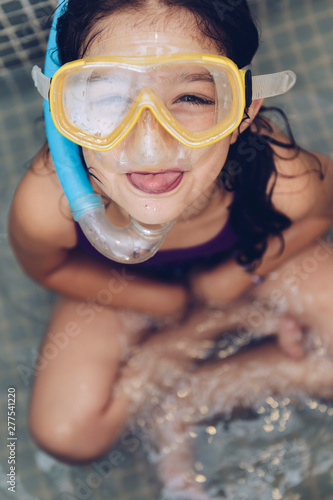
96	100
198	97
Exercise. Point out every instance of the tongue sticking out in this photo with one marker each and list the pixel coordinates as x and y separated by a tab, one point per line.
156	183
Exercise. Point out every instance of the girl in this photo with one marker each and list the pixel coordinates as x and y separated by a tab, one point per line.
248	192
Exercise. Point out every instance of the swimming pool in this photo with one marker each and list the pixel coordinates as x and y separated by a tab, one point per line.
278	451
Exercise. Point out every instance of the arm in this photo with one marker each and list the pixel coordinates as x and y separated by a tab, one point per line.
211	286
43	236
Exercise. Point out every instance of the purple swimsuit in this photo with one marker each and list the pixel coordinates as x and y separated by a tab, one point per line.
175	265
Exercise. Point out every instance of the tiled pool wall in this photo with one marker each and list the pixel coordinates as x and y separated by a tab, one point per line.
298	35
24	26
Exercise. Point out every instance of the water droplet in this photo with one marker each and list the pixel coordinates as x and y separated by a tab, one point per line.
211	430
276	494
322	408
272	402
275	415
182	393
198	466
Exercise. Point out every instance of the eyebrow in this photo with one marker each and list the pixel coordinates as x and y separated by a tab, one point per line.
104	77
195	77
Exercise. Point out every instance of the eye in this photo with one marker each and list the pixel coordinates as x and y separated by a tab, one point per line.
105	92
196	100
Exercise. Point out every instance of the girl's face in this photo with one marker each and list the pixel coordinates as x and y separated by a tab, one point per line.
153	193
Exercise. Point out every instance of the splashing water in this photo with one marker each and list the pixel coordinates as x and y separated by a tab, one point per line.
204	446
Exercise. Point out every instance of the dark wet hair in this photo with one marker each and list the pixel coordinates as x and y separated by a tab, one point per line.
248	169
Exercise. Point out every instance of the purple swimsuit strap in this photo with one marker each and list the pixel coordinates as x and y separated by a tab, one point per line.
223	241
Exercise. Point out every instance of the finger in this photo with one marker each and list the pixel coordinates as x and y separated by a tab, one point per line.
291	338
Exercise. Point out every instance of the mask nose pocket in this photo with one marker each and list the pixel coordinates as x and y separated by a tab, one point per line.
149	143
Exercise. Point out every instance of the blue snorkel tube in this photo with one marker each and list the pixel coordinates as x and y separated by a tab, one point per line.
131	244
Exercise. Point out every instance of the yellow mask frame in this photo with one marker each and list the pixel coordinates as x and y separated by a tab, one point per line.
146	99
244	88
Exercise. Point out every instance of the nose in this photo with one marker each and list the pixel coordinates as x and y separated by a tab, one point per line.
149	142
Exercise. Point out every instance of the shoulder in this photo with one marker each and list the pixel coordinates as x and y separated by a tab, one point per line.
303	186
40	214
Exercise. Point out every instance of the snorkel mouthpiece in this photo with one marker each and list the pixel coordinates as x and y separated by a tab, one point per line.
130	245
134	243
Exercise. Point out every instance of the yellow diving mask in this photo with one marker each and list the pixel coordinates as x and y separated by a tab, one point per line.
193	99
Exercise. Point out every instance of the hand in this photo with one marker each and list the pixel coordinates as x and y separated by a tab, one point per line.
191	338
227	283
291	337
